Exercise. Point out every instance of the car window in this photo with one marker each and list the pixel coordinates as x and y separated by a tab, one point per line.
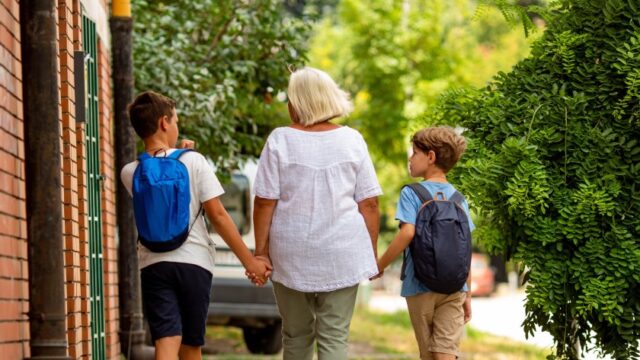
236	200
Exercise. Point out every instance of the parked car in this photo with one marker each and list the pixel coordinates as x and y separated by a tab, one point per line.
482	275
235	301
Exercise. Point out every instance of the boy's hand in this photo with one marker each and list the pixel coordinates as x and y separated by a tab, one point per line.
187	144
466	306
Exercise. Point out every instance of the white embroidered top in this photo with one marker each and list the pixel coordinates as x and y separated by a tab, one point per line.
318	240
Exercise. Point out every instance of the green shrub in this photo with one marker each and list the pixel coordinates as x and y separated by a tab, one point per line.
553	166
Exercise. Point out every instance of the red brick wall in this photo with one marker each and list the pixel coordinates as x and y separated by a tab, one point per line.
14	294
76	246
75	190
107	168
14	326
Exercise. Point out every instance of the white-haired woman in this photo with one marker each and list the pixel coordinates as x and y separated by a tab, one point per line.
316	217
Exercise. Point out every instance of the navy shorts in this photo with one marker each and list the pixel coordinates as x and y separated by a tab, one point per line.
175	297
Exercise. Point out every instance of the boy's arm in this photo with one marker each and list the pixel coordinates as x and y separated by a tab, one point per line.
262	215
369	210
398	244
466	306
224	225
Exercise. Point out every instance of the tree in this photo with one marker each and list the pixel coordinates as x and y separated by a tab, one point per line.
396	57
553	165
223	61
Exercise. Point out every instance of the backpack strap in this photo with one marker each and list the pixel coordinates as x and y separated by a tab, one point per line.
403	275
423	194
457	198
176	154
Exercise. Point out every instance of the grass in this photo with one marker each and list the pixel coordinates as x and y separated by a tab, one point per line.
384	336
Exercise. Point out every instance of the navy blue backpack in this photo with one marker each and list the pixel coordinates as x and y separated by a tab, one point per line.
161	198
441	246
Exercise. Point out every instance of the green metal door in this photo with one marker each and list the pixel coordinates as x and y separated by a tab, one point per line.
94	186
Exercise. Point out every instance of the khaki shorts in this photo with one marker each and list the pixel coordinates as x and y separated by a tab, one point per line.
438	322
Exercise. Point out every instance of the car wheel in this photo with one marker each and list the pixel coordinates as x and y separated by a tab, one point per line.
264	340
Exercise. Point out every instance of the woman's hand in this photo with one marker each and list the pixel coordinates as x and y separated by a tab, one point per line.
379	274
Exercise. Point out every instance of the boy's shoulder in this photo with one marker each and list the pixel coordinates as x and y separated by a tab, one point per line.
408	194
190	159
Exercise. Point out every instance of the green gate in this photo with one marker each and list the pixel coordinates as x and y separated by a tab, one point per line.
94	185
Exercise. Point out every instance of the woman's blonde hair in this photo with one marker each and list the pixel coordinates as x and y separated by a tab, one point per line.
315	97
444	141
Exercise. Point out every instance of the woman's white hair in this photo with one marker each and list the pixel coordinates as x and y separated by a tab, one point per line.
315	97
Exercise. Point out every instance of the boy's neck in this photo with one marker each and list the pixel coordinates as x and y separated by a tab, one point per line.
435	175
152	145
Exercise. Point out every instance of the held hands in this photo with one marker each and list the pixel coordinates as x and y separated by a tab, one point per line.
259	270
379	275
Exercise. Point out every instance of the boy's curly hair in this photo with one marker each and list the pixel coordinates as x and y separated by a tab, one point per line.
444	141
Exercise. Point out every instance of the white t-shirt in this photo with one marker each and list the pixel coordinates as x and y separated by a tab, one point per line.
318	240
198	249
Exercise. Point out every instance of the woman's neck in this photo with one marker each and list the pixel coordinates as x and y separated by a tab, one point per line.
323	126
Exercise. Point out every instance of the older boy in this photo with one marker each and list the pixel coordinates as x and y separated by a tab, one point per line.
176	284
438	319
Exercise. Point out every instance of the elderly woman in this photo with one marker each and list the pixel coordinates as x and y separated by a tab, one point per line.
316	217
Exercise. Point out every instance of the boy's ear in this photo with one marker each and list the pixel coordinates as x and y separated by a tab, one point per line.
163	122
432	156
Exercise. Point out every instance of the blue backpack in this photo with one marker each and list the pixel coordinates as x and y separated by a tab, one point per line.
441	246
161	198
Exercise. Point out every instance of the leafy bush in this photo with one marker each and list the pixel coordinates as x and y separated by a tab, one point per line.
224	61
553	167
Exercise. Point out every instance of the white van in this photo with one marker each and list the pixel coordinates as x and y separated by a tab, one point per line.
235	301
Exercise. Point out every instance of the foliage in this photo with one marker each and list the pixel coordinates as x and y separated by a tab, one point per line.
223	61
396	57
553	165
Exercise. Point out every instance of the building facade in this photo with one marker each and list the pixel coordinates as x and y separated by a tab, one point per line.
88	183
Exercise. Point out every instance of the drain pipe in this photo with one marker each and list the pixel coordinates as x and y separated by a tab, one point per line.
42	163
132	333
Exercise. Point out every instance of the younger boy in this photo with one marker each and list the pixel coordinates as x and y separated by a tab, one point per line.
438	319
176	284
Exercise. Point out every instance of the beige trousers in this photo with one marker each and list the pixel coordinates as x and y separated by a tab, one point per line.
438	322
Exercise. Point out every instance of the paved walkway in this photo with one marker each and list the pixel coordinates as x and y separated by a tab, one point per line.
499	315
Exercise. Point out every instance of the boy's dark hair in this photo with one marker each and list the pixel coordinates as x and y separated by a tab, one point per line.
145	111
444	142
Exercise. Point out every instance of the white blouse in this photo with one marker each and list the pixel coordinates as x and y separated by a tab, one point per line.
318	240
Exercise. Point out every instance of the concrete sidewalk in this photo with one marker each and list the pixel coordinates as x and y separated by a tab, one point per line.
501	315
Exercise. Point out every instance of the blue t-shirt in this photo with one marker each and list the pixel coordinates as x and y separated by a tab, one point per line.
407	211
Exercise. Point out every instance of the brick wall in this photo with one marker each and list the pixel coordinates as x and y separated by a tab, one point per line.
14	297
76	246
14	325
107	168
75	190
